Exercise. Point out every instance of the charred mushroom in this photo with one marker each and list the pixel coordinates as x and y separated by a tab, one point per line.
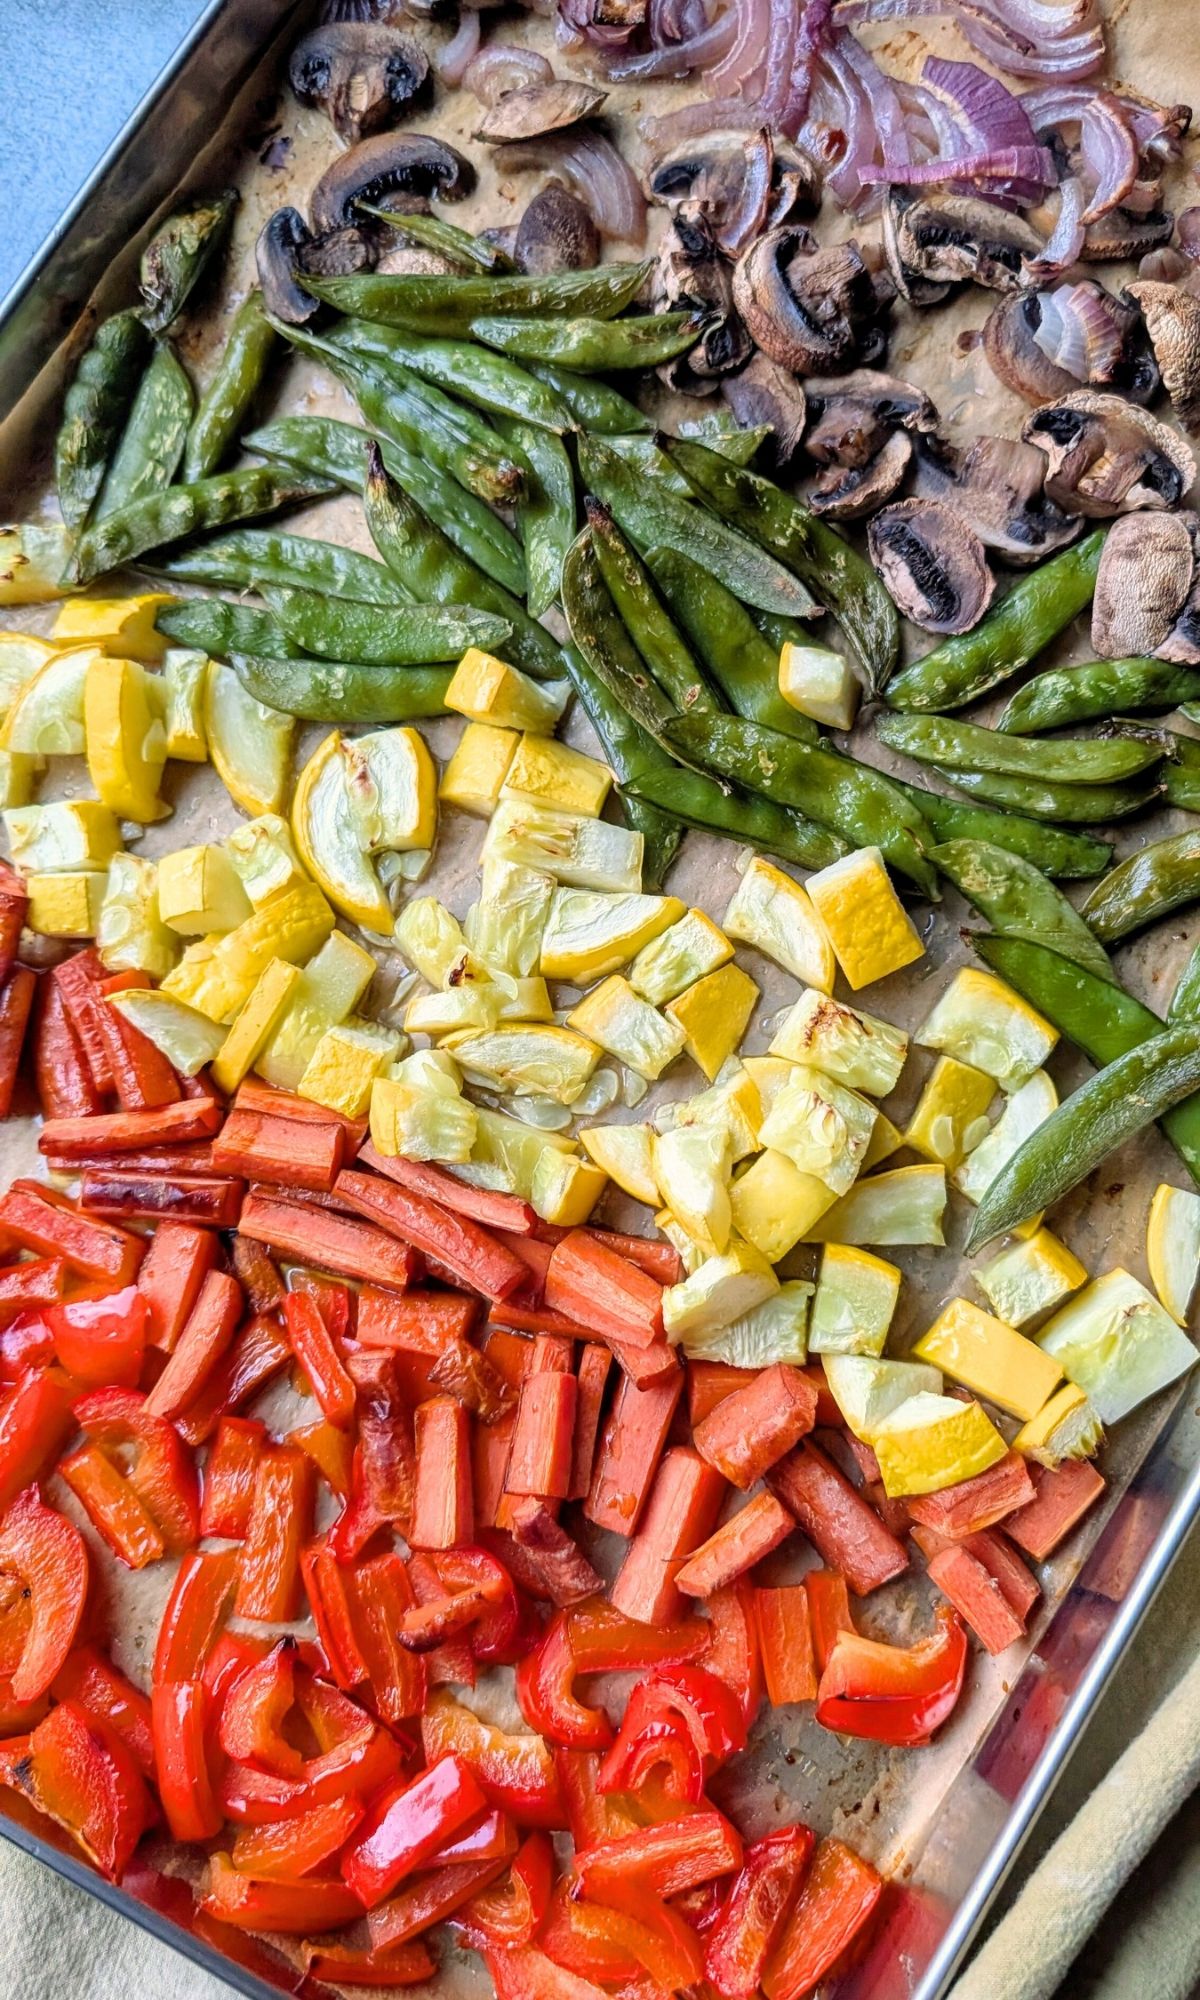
931	564
690	276
857	429
277	254
812	309
540	107
764	393
743	184
1142	585
844	493
1109	457
392	164
997	487
1121	234
339	253
360	10
556	233
1045	344
1172	318
933	241
360	74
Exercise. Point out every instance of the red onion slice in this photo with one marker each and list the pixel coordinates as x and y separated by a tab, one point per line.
453	62
1110	155
502	67
1066	239
1022	37
710	45
593	168
745	51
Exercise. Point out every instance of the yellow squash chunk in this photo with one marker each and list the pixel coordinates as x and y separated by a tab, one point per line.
524	999
330	987
770	1075
565	1188
454	1011
506	1152
867	1389
1173	1247
255	1024
1023	1112
1118	1343
432	940
1030	1277
218	976
328	844
185	690
823	1128
589	933
1065	1427
187	1038
126	739
981	1021
504	928
774	1204
818	682
199	890
476	771
932	1442
532	1060
690	949
904	1205
391	784
722	1290
713	1015
65	833
122	625
885	1140
344	1065
579	852
47	717
18	777
262	853
627	1027
130	934
689	1252
951	1112
409	1122
22	655
774	1330
691	1167
556	775
732	1103
774	914
994	1360
249	743
66	905
625	1154
856	1049
855	1298
33	558
868	926
486	689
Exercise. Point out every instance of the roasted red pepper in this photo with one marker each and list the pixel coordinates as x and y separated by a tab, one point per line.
46	1555
292	1909
546	1692
112	1507
683	1720
751	1918
196	1609
162	1474
297	1846
358	1767
84	1778
280	1524
409	1825
894	1694
828	1610
657	1936
514	1772
102	1341
510	1912
313	1348
255	1710
592	1815
229	1474
343	1965
666	1859
837	1900
35	1422
182	1729
93	1683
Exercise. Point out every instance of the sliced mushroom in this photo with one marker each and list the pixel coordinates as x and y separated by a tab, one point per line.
339	253
744	184
1121	234
851	416
812	309
540	107
1109	457
1182	644
1172	318
764	393
360	74
690	275
931	565
844	493
1142	584
360	10
933	241
997	487
283	236
556	233
1035	341
379	169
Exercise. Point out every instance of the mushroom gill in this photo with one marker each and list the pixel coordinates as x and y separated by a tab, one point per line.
361	74
933	241
931	564
1109	457
813	309
997	486
409	165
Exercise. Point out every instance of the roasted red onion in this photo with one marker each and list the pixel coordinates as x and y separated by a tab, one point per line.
993	147
1066	239
1109	152
1021	37
1081	330
710	43
453	62
593	168
502	67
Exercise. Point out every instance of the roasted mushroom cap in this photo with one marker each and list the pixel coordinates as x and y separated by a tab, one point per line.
850	416
556	233
282	238
764	393
538	108
844	493
931	564
379	169
1121	234
1045	344
744	184
997	488
1182	643
690	275
933	241
1172	318
359	74
1142	584
339	253
812	309
1109	457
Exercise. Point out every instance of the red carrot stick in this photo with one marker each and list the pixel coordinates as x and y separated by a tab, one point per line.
785	1639
844	1530
754	1427
460	1246
297	1153
828	1611
14	903
679	1516
142	1076
979	1502
494	1210
630	1448
127	1131
991	1548
16	1003
1062	1498
64	1081
173	1270
78	981
660	1261
543	1440
977	1596
594	1364
210	1328
258	1352
53	1228
332	1242
421	1322
280	1524
603	1291
443	1509
742	1541
191	1159
31	1286
709	1383
254	1095
204	1200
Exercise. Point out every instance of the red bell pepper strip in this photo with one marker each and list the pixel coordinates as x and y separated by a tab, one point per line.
255	1710
467	1251
331	1241
331	1451
210	1328
258	1352
298	1153
34	1286
381	1591
344	1965
733	1653
515	1773
659	1755
843	1529
101	1341
592	1377
293	1909
408	1826
585	1954
269	1584
592	1815
64	1081
14	903
1061	1499
35	1421
443	1501
562	1571
101	1690
526	1973
16	1003
200	1199
495	1618
420	1322
975	1503
328	1586
358	1768
491	1837
630	1449
753	1428
47	1556
182	1728
336	1303
736	1546
318	1357
828	1612
604	1640
195	1611
751	1918
687	1699
229	1475
679	1516
173	1270
598	1288
116	1132
112	1507
894	1694
666	1859
540	1459
428	1900
511	1910
786	1644
977	1597
96	1249
545	1681
659	1937
27	1344
298	1846
835	1903
493	1210
162	1474
84	1778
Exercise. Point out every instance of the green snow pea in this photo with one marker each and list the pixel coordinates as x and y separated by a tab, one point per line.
95	407
592	346
727	640
252	557
161	518
445	237
545	508
464	369
344	691
215	626
178	254
433	303
235	383
1185	1000
656	637
1094	691
1051	849
944	741
398	636
1072	805
1018	900
152	443
1147	885
593	404
662	837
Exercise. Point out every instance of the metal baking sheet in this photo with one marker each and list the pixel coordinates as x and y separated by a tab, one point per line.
937	1821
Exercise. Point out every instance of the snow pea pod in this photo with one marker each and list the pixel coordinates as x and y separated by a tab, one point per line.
1181	773
835	574
856	801
338	451
475	373
593	404
236	382
1027	618
942	741
592	346
215	626
652	515
344	691
445	237
436	303
1112	1106
95	407
656	637
1072	805
1185	1000
1018	900
662	837
398	636
729	644
251	557
188	510
1095	690
435	572
152	443
178	254
1146	885
545	509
